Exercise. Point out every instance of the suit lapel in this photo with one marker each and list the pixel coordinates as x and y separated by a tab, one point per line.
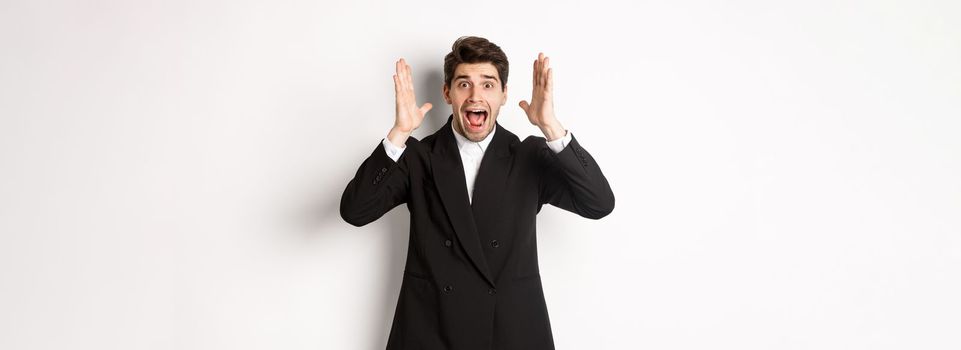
448	173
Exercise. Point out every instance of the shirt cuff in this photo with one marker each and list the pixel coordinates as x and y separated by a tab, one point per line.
558	145
393	152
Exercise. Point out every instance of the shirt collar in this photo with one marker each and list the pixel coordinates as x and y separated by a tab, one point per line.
463	141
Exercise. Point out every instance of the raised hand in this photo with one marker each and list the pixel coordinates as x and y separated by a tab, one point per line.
540	111
408	115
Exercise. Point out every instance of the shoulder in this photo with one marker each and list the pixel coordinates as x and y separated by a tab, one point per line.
535	141
534	145
429	140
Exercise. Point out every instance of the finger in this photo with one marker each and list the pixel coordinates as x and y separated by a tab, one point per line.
544	69
540	65
396	85
399	77
407	79
540	73
426	107
410	78
400	69
524	105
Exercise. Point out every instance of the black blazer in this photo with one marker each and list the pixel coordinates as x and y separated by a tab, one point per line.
472	279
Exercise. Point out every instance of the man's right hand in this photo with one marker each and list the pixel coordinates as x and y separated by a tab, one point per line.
409	116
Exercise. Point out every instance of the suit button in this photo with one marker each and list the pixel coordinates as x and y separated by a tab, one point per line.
492	291
447	243
495	243
448	289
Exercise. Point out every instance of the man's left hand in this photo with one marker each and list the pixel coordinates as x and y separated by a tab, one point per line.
540	111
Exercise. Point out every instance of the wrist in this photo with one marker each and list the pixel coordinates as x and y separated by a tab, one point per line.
553	131
398	137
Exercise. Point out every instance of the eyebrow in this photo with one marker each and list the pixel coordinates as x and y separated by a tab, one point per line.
491	77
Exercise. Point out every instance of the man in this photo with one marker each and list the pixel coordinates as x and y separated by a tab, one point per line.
473	190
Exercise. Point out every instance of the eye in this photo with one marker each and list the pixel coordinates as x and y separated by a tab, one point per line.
463	84
488	85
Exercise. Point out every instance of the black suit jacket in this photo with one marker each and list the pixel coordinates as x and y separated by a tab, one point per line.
471	279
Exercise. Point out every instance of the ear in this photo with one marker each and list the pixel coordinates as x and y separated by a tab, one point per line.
446	91
504	101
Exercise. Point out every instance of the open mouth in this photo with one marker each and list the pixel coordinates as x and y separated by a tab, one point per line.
475	118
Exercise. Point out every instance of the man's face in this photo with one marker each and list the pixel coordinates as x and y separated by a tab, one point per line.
475	96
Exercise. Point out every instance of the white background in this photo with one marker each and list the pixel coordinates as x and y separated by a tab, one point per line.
787	174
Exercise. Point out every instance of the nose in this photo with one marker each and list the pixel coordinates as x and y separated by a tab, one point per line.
475	95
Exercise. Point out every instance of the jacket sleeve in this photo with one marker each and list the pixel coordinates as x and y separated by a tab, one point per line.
573	181
378	186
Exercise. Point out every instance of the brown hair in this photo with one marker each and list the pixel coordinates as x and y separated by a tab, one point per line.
472	49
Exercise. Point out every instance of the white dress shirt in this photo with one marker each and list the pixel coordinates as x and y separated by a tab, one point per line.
471	153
